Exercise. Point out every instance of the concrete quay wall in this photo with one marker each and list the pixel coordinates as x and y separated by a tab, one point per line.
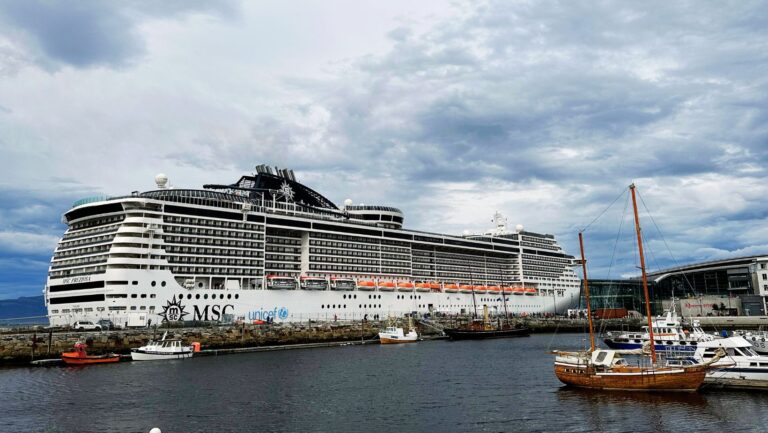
21	348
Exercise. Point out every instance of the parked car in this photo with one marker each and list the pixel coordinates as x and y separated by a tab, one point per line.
84	325
106	324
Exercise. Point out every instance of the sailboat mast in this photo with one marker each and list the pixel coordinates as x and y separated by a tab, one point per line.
586	294
645	277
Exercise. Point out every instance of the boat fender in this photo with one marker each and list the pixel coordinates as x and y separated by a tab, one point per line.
196	347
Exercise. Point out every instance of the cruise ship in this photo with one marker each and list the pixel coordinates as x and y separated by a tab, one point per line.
269	248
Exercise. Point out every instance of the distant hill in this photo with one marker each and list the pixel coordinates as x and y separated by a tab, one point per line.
31	306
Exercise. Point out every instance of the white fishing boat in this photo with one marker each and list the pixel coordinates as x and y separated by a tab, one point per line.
739	367
163	349
394	334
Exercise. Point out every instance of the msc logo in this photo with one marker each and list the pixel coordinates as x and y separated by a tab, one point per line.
173	311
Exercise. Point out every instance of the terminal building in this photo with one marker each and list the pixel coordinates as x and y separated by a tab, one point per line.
736	286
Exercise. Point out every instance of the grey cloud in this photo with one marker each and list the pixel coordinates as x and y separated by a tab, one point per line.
90	33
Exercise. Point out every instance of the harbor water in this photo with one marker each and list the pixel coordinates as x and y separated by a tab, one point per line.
493	385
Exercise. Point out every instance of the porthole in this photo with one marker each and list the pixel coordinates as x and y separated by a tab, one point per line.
197	296
322	306
229	296
205	296
344	296
189	296
162	284
345	305
153	284
237	296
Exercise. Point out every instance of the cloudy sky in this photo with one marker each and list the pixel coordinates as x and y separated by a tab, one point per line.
450	111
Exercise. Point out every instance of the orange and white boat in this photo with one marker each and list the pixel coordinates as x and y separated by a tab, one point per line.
493	290
480	290
518	291
405	286
530	291
80	357
422	287
387	286
466	288
435	286
366	285
451	288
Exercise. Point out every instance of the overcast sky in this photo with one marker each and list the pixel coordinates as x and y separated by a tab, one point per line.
450	111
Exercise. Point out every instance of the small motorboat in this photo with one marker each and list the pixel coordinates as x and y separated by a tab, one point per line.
394	335
164	349
80	357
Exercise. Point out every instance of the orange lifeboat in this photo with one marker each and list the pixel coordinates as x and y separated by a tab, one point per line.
480	289
518	290
435	286
405	286
493	290
422	287
531	291
386	286
451	288
366	285
466	288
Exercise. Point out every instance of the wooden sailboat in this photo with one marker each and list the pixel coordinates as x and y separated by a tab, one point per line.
607	369
483	329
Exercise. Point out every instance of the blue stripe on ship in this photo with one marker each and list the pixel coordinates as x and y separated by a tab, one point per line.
659	347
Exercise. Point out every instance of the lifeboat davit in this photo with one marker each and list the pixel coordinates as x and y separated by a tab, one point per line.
366	285
386	286
451	288
405	286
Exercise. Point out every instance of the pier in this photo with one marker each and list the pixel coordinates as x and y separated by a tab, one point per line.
43	346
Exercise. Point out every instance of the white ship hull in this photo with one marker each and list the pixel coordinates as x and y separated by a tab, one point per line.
175	303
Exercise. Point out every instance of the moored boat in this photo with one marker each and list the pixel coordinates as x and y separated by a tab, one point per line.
393	334
163	349
606	369
79	356
669	335
740	365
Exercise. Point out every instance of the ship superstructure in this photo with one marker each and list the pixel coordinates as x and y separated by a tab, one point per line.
269	247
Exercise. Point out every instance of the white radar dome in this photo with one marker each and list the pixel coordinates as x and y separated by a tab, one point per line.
519	227
348	202
161	180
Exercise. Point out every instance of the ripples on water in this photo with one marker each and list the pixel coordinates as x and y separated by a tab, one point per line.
498	385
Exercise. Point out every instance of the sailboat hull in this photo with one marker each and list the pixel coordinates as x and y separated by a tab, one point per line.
632	378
